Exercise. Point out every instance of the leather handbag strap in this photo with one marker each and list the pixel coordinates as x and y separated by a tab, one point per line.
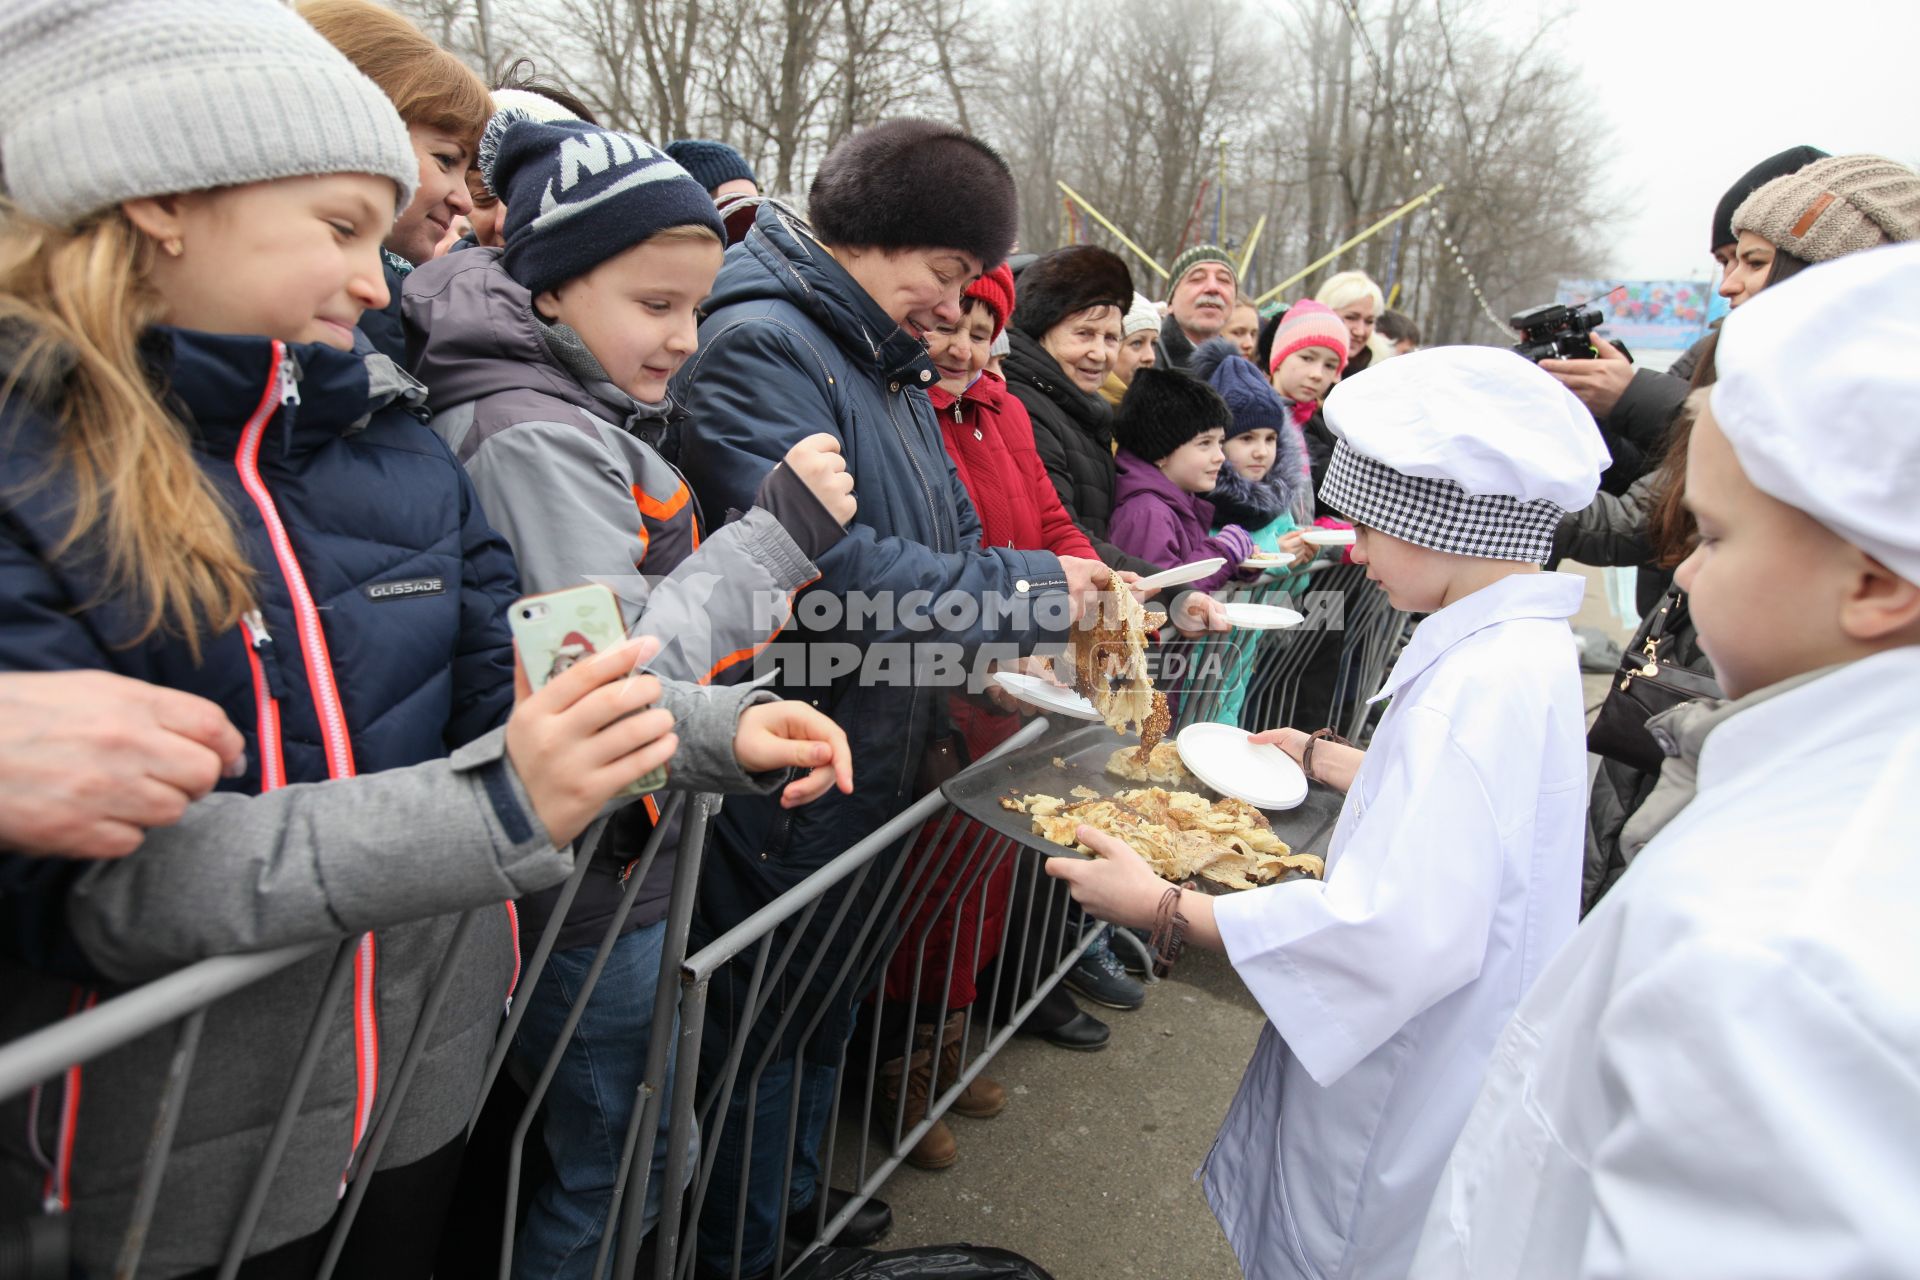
1672	611
1671	616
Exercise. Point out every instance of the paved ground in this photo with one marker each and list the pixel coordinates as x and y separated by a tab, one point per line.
1089	1170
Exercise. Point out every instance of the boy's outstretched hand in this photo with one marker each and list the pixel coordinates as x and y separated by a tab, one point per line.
1116	884
793	735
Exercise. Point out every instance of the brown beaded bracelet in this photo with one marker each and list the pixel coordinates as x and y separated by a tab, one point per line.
1169	930
1314	739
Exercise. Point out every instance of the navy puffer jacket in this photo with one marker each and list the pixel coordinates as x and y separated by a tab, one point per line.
792	345
374	517
381	643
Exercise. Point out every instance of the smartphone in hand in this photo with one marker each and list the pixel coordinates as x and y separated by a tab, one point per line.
556	629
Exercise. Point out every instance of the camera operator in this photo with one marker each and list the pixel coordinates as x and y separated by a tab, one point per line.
1637	406
1564	334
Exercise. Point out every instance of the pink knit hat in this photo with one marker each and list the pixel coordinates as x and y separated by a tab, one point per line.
1308	324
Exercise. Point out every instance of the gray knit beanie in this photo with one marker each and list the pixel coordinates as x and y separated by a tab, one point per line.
1834	207
109	100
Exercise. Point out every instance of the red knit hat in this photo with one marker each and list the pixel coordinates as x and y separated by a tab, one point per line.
995	288
1308	324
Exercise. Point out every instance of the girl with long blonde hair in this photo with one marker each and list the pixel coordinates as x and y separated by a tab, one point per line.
204	486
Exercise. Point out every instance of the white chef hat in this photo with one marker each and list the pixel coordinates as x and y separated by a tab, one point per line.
1470	450
1833	427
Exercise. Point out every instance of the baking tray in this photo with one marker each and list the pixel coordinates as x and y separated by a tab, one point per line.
1083	751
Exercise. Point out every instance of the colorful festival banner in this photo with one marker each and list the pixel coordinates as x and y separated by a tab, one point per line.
1649	315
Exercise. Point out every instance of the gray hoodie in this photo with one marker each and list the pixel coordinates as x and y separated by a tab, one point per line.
1682	732
394	851
566	469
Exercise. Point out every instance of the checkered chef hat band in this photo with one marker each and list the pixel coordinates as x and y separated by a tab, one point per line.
1437	513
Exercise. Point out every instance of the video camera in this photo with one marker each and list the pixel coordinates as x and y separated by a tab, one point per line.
1556	332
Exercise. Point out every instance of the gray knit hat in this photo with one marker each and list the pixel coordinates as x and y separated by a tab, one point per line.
1834	207
109	100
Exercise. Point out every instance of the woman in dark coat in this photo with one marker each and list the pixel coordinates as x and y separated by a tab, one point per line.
1065	337
820	328
1783	225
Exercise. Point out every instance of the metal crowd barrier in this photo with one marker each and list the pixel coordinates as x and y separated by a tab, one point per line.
186	995
1320	673
955	861
923	865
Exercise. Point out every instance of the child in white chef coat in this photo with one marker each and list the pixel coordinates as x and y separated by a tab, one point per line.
1717	1077
1454	872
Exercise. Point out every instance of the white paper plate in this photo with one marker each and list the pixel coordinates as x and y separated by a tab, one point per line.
1261	617
1267	562
1180	573
1221	756
1041	693
1327	537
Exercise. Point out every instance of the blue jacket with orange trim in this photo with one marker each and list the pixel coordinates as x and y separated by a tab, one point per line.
566	469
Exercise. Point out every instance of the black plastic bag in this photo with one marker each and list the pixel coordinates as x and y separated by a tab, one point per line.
930	1262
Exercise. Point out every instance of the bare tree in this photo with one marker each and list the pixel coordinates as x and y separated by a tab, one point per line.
463	27
956	48
1328	114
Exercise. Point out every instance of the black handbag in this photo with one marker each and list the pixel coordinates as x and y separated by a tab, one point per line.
1647	684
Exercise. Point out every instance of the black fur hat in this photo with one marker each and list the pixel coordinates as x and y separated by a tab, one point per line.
1163	409
1067	280
916	184
1792	160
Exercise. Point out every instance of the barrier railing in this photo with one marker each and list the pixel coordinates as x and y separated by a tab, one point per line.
958	862
774	1027
1319	673
927	896
184	997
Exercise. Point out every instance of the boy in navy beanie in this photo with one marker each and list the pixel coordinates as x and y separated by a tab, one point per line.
578	195
549	362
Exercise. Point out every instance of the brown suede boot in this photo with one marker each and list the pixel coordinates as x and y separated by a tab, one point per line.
936	1148
983	1099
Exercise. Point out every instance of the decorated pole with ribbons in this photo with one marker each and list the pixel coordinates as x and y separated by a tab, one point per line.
1341	248
1117	233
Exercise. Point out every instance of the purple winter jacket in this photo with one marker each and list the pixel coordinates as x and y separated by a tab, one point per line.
1167	526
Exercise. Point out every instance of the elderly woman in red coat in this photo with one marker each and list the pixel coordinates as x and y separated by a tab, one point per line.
989	437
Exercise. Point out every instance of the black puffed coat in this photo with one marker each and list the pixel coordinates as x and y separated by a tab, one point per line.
1074	434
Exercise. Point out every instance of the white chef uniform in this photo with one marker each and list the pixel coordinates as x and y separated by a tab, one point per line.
1453	873
1719	1077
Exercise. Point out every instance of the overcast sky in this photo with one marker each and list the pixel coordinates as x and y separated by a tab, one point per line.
1698	91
